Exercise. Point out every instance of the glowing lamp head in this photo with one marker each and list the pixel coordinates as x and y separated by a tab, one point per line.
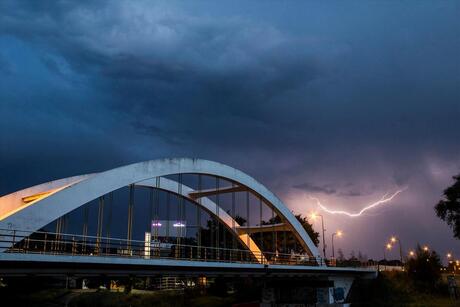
339	233
393	239
449	255
425	248
313	215
411	253
389	246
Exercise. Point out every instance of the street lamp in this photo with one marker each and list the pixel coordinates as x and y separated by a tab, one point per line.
387	247
339	234
412	253
449	256
393	240
425	248
314	215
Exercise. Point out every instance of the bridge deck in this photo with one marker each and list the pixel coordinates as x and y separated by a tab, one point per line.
43	264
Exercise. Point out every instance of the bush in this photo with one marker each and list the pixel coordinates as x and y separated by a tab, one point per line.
424	269
388	289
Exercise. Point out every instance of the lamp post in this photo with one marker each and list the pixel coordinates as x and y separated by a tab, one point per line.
393	240
314	216
388	246
339	234
449	256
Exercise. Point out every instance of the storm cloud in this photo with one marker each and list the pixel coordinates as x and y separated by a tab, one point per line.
362	97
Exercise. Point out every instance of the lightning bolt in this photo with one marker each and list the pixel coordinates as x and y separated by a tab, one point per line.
385	199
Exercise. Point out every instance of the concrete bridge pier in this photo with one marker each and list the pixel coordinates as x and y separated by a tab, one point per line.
338	293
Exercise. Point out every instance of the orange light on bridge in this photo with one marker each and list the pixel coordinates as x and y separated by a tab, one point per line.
31	198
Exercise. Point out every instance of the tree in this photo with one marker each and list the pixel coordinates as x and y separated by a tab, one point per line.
240	220
284	241
353	256
303	221
448	209
424	268
314	235
362	257
340	254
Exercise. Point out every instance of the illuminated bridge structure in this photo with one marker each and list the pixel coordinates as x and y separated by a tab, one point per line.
180	215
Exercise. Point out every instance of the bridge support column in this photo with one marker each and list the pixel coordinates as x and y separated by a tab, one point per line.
338	293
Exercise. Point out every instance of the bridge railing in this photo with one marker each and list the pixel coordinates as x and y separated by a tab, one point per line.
19	241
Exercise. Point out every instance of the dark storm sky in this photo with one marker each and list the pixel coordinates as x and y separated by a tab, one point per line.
344	101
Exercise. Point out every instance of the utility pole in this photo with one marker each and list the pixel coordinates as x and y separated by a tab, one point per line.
313	216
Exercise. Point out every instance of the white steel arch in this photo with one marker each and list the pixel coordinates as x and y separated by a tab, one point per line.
83	189
14	202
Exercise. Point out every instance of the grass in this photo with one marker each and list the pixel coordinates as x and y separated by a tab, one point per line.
396	289
389	289
41	298
161	298
119	299
432	301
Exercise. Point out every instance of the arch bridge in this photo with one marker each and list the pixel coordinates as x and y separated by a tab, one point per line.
180	214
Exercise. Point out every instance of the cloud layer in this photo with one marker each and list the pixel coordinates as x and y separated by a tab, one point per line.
346	103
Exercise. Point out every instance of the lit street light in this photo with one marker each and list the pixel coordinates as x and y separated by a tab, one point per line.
449	256
412	253
387	247
425	248
314	215
393	240
339	234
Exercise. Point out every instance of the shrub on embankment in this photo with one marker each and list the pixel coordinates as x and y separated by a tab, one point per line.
398	289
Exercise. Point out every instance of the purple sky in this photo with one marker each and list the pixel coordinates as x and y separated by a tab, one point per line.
342	101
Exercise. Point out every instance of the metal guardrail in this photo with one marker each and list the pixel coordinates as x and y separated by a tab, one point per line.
19	241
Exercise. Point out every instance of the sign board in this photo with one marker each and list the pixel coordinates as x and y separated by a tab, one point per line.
165	228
